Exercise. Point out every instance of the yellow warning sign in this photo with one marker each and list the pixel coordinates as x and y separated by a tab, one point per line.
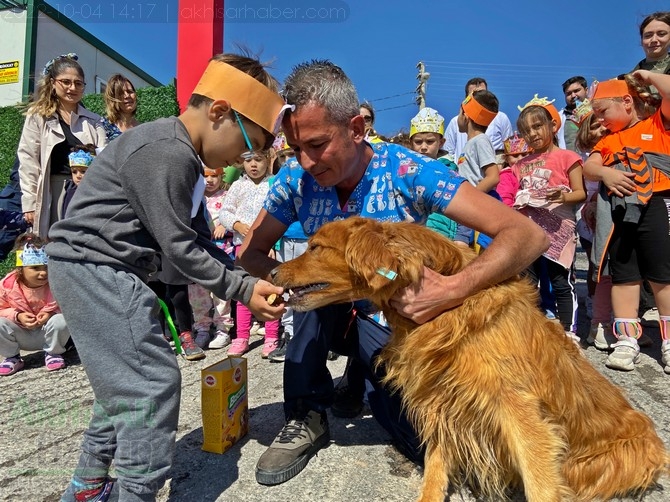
9	72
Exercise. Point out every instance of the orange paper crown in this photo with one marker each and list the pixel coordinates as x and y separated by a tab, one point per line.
476	112
611	89
244	93
213	172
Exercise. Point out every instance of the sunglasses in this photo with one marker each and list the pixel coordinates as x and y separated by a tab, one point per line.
66	82
248	155
367	118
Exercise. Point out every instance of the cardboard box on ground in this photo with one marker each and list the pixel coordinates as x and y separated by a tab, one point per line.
225	404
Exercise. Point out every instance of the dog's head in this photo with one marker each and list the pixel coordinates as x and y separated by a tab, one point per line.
360	258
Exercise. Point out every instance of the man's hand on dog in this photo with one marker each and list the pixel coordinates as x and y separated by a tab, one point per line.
266	301
431	296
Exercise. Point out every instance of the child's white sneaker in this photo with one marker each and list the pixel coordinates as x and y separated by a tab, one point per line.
625	355
601	336
665	356
221	340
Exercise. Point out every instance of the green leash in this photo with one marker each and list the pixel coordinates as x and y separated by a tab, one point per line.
171	326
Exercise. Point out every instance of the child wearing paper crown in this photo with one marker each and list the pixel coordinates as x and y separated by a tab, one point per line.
514	149
139	201
632	228
589	132
29	316
550	185
207	308
80	159
426	136
477	162
239	210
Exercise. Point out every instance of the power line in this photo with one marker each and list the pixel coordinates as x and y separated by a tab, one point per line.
389	97
504	65
394	107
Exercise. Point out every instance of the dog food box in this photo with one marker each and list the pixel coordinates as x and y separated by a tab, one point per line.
225	405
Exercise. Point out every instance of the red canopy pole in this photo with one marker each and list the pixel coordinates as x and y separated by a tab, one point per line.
199	37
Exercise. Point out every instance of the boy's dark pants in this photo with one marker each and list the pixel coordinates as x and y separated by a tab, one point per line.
113	318
308	384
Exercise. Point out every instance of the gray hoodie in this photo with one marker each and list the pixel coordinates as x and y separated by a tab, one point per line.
135	201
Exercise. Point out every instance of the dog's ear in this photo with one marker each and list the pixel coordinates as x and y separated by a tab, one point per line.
368	255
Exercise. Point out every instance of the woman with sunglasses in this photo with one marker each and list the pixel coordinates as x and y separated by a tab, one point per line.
368	114
55	123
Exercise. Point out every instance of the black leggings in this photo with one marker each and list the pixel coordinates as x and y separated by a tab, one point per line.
563	286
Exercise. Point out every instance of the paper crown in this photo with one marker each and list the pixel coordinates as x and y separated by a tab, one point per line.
280	144
427	120
30	256
80	158
610	89
547	105
515	144
213	172
476	112
582	110
245	94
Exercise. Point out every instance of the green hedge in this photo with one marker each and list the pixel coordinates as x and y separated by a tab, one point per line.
152	103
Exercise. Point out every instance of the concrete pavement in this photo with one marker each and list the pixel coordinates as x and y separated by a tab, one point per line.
44	414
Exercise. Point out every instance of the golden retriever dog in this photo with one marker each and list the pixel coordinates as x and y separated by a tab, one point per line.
498	394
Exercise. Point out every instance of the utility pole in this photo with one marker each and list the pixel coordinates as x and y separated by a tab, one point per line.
422	77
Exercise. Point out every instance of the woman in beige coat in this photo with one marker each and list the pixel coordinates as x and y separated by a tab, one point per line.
55	122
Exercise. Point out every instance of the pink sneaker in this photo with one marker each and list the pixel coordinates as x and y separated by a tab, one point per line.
268	346
240	346
54	362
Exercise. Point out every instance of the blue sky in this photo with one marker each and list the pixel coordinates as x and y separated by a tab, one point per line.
521	47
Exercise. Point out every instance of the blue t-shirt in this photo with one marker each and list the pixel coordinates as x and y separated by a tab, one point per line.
398	185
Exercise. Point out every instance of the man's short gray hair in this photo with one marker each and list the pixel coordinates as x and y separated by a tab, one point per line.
322	83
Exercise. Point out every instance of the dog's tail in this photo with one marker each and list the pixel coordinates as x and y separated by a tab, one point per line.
626	465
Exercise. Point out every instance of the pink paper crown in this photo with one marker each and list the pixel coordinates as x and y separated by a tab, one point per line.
515	144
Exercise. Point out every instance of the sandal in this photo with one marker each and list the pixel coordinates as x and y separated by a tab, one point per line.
11	365
54	362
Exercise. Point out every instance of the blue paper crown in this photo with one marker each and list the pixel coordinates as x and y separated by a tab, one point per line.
30	256
80	158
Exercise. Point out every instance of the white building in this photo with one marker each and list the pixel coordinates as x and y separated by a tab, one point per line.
32	32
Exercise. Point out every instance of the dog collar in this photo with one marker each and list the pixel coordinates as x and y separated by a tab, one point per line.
389	274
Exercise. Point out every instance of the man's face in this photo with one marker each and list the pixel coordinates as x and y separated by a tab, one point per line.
573	93
327	151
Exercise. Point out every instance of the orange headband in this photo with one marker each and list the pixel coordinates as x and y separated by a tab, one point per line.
213	172
476	112
244	93
611	89
554	113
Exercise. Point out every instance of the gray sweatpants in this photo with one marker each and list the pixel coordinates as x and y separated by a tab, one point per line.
51	337
112	316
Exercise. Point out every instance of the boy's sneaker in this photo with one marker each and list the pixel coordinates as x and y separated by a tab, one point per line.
190	350
11	365
221	340
239	347
626	354
269	345
255	327
91	490
302	436
279	354
202	339
601	336
665	356
53	362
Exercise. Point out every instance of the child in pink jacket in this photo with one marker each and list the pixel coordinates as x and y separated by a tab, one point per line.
29	316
